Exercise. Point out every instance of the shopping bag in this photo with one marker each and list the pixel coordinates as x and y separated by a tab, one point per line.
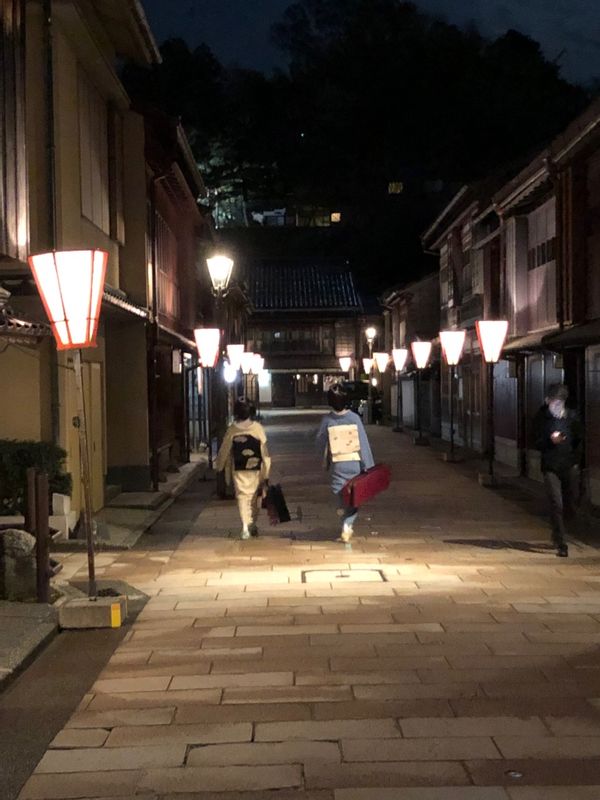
366	485
275	505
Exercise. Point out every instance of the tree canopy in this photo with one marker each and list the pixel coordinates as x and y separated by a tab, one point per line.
376	92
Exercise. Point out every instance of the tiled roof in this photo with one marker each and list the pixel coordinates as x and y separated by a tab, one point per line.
301	288
17	329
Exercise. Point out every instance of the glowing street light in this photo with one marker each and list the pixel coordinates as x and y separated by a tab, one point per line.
491	335
382	360
420	353
220	268
399	355
234	354
246	362
229	372
345	363
367	365
208	341
370	335
71	284
452	343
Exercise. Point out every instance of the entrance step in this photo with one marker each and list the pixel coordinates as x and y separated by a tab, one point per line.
141	500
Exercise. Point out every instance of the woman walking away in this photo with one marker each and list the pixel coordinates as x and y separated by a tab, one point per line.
343	439
244	455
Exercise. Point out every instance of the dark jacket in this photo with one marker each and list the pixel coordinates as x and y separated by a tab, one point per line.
558	457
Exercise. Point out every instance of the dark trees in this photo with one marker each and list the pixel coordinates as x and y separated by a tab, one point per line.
377	92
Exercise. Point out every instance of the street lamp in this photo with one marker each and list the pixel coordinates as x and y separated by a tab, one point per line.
220	268
382	360
370	335
208	342
452	346
345	363
258	364
399	354
420	352
367	366
234	354
71	284
491	335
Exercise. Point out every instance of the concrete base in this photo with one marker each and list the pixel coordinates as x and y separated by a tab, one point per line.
421	441
94	612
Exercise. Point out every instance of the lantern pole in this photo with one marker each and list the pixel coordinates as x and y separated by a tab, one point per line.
86	516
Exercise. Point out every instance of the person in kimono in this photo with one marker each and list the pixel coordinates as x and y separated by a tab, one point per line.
244	455
343	441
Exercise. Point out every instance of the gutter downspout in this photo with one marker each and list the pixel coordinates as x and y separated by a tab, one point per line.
51	195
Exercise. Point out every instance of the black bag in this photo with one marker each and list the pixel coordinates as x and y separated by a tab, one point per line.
274	502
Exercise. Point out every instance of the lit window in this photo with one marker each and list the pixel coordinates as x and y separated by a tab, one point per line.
336	216
395	187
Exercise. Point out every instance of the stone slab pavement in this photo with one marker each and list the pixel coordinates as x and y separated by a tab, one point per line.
447	654
24	629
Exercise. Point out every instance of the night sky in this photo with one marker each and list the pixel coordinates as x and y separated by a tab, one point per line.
238	30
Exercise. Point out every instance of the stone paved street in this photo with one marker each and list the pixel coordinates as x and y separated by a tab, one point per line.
447	655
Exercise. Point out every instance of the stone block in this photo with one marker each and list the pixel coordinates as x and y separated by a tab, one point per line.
95	612
17	565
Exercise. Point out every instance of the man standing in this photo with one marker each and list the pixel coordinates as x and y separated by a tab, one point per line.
558	437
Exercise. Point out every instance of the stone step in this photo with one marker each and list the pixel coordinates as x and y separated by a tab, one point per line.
141	500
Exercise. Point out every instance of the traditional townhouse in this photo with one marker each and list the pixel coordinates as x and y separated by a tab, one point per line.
527	209
575	170
85	170
466	239
411	313
304	317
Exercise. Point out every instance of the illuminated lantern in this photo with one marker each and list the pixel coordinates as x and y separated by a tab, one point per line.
452	346
382	360
71	284
207	342
421	352
247	362
367	365
400	356
491	335
219	268
234	354
345	363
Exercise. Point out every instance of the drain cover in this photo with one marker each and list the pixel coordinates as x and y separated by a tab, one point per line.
342	576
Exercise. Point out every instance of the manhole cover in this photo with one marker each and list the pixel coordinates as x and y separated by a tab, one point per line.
343	576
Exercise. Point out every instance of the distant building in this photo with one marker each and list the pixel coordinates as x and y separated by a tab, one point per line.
304	317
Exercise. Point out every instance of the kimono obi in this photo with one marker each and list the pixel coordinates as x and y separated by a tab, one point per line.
344	443
246	452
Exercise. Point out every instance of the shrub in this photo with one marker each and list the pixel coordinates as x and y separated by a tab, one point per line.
15	458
